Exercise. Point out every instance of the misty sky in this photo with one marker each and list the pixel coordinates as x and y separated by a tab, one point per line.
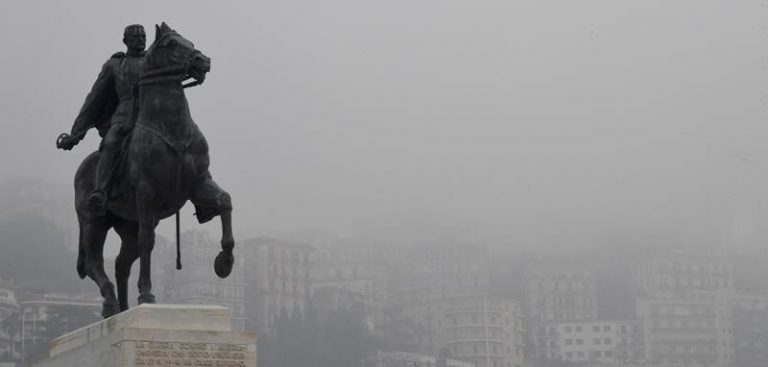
521	122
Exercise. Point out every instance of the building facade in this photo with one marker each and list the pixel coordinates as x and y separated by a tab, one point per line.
696	331
600	341
484	330
685	303
9	311
46	316
556	291
750	330
673	276
355	271
279	278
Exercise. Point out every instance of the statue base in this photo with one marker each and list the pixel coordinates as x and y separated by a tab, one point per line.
156	335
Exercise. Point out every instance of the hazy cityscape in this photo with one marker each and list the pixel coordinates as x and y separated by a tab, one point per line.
315	299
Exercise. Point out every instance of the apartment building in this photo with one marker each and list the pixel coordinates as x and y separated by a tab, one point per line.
556	290
750	330
484	330
600	341
354	270
9	308
279	277
693	331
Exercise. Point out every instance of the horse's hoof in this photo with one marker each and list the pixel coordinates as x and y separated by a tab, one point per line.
149	298
109	310
223	264
81	268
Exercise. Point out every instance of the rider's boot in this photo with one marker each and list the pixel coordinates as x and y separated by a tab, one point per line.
97	201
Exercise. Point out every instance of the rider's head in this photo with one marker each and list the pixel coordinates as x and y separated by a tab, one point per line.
135	38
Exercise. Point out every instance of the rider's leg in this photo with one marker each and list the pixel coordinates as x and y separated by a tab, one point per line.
106	166
209	199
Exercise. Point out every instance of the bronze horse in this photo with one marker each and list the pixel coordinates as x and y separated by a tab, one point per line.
164	164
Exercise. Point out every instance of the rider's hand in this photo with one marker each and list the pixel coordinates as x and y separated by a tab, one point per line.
67	142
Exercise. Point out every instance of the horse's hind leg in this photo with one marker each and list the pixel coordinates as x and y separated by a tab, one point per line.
93	233
211	200
129	252
147	216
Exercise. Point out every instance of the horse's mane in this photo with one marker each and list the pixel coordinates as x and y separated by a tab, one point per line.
163	35
162	32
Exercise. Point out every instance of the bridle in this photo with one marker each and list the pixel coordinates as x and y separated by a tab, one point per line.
171	73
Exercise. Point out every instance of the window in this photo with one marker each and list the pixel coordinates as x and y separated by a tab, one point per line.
579	341
606	327
596	328
568	329
596	341
568	341
607	341
579	329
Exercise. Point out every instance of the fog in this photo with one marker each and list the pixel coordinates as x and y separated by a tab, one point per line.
522	123
602	146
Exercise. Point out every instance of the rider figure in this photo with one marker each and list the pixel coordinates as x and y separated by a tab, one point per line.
109	108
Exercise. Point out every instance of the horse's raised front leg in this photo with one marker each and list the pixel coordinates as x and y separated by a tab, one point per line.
93	233
129	252
211	200
147	216
226	259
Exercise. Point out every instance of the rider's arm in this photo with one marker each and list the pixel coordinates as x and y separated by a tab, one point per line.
101	92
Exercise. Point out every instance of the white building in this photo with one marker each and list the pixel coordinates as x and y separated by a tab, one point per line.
278	274
600	341
696	331
485	330
8	308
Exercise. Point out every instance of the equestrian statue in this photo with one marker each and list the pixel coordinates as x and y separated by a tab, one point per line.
152	159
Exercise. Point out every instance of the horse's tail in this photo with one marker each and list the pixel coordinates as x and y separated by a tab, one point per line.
84	185
178	243
81	257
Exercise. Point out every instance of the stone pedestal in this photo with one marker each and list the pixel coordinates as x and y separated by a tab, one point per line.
157	335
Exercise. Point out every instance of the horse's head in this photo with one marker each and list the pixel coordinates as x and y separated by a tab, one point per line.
171	53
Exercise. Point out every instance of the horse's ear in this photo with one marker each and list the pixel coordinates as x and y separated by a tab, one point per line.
157	32
164	27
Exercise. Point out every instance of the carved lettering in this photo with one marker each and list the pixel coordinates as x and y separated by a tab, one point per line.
182	354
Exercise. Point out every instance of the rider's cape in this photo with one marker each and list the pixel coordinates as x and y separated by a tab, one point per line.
101	102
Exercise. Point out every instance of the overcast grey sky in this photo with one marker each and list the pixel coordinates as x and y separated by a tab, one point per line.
525	122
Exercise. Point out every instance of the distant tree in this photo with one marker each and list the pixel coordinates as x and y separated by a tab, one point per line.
35	256
11	326
339	340
60	319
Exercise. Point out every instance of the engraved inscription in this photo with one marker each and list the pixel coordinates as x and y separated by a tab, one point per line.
172	354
